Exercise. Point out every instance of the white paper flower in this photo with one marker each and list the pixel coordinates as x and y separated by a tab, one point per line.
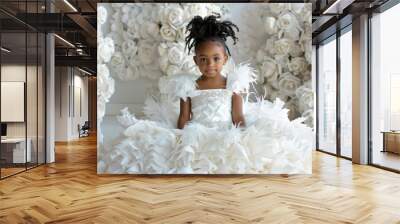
174	16
117	60
129	47
163	49
298	65
309	115
189	66
105	84
101	15
196	9
288	83
105	49
132	32
270	25
176	55
270	45
283	46
269	69
146	52
292	33
117	27
131	73
153	30
277	8
296	50
305	96
172	70
287	20
291	105
164	63
168	33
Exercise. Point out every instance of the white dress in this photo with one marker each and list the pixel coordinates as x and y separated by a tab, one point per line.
210	143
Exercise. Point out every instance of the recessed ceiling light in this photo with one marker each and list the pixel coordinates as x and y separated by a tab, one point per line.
5	49
64	40
70	5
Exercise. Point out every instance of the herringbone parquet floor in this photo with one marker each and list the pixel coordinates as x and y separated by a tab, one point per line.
70	191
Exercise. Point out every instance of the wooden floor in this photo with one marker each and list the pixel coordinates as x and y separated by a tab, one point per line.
70	191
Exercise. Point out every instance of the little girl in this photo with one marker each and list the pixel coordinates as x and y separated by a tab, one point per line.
207	139
208	37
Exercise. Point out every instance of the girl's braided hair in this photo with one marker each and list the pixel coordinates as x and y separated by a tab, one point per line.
209	28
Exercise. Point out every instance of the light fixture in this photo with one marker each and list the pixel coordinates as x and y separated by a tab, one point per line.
84	71
5	49
64	40
338	6
70	5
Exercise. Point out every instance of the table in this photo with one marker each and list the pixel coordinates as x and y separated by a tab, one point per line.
391	141
15	148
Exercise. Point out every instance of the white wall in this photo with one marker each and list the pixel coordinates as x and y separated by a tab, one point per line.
69	84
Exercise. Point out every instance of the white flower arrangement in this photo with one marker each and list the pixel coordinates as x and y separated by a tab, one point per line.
149	38
173	19
105	83
285	60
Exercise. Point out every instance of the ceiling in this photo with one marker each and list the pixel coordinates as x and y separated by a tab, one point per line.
76	23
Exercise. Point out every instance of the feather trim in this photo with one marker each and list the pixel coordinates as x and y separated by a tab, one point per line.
240	79
178	86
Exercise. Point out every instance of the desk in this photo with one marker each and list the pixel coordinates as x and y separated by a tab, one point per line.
391	141
16	148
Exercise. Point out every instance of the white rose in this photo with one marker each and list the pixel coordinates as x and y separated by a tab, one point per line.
144	32
283	46
180	34
270	25
126	8
306	97
164	62
306	13
132	32
105	49
195	9
292	107
298	65
167	32
146	52
282	61
105	84
269	69
131	73
176	55
288	83
172	70
101	15
270	45
309	115
292	33
153	30
101	108
287	20
117	27
277	8
117	60
174	16
296	50
189	65
129	47
212	8
162	49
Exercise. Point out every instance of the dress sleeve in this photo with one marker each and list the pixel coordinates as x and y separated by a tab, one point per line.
178	86
240	78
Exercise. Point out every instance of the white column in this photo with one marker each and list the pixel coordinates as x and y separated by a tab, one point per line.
50	99
360	90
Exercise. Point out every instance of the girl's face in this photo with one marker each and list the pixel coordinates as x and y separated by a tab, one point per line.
210	58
